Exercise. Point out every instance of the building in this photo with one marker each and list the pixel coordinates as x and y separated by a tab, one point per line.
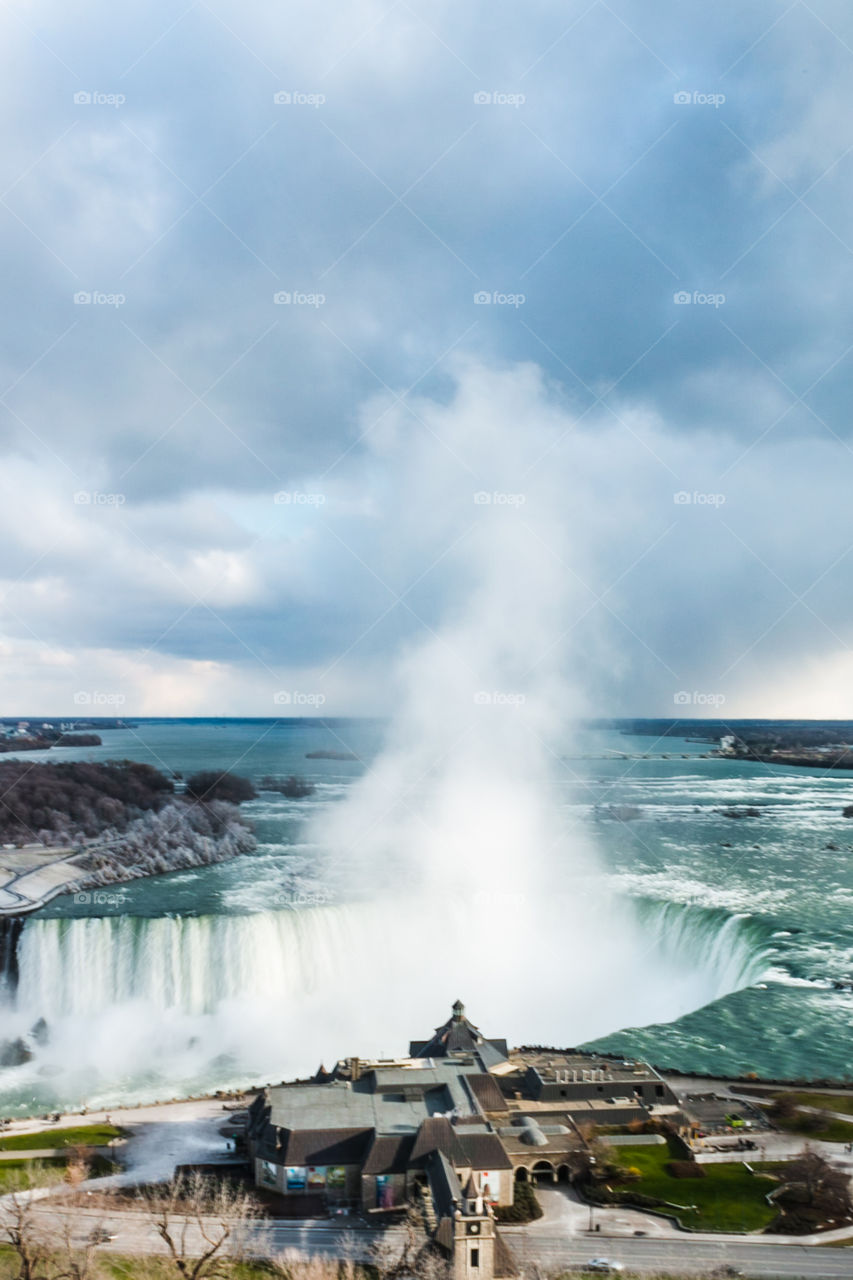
449	1128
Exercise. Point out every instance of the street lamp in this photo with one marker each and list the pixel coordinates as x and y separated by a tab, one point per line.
591	1180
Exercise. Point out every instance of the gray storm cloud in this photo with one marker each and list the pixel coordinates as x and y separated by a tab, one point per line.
582	169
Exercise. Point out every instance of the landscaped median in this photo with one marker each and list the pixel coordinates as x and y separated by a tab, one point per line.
57	1155
718	1197
89	1135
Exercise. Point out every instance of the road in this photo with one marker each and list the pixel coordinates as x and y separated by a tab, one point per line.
674	1257
551	1246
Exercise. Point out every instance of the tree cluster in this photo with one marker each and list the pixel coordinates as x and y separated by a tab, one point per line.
65	803
211	784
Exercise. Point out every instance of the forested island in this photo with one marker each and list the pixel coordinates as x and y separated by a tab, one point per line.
122	819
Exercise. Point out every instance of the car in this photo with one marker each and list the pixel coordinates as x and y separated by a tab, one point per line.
101	1236
603	1266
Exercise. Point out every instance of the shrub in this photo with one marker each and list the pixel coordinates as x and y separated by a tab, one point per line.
210	785
684	1169
525	1205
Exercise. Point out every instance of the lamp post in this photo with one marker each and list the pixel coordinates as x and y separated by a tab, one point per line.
591	1181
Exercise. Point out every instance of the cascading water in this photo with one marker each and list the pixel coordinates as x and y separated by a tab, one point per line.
135	1006
194	964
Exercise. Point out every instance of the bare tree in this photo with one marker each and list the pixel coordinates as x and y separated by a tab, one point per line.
815	1182
19	1229
203	1222
45	1249
407	1250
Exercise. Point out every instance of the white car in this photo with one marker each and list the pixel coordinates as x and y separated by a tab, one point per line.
603	1265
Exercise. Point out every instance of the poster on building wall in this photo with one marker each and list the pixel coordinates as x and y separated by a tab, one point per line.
296	1178
269	1174
316	1177
336	1176
384	1192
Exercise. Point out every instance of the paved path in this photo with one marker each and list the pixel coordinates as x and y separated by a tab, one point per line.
32	875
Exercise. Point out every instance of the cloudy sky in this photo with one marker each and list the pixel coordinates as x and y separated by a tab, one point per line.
259	258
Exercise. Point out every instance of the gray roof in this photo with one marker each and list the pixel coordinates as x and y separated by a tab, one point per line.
459	1036
389	1100
325	1146
437	1134
443	1183
389	1154
487	1091
483	1150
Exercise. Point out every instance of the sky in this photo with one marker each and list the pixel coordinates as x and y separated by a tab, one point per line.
264	267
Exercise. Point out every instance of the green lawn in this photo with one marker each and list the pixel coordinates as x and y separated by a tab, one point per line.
842	1103
728	1198
90	1135
18	1175
15	1175
812	1126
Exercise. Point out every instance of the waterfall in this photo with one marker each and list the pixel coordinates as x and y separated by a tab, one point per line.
142	1008
194	964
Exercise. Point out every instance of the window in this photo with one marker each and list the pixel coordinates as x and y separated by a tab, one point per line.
475	1257
658	1090
563	1093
